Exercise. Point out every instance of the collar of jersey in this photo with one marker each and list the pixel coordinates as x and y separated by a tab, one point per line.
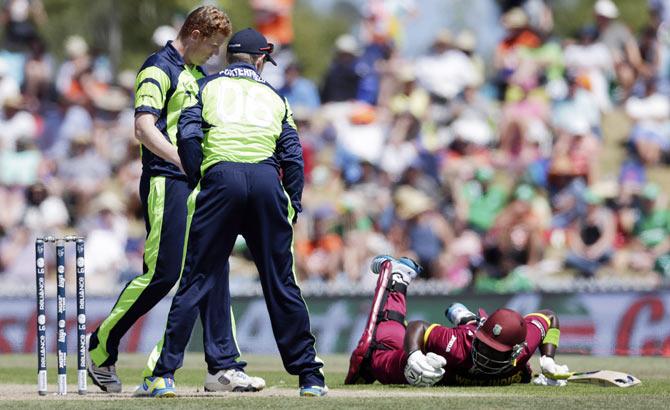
238	70
243	65
173	54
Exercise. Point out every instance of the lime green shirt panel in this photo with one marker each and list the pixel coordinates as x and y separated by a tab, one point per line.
289	115
245	120
184	96
149	93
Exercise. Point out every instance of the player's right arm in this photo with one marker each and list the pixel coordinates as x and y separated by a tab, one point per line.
414	335
151	137
435	338
422	369
189	138
151	87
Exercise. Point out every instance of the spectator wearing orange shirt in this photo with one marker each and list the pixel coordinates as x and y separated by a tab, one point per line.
518	34
274	20
320	255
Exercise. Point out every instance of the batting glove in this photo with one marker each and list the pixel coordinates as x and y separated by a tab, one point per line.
542	380
424	370
553	370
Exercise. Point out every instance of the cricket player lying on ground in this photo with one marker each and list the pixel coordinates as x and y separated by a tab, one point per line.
478	350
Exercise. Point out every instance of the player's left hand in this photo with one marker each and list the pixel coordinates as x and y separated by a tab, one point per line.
553	370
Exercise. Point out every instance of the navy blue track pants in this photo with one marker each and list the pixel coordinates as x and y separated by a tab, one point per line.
164	203
246	199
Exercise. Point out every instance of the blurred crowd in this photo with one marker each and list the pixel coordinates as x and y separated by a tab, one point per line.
495	172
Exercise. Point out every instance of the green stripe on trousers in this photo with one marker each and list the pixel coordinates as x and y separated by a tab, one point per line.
289	217
130	295
158	348
156	352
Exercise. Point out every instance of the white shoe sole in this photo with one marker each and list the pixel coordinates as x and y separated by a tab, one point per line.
218	387
140	392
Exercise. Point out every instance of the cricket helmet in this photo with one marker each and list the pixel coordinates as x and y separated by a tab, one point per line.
499	340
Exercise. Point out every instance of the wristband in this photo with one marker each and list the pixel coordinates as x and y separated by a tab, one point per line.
553	335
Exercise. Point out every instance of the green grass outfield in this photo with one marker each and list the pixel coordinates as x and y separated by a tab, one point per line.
18	388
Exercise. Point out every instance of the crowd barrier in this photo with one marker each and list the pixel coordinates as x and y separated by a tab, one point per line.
614	323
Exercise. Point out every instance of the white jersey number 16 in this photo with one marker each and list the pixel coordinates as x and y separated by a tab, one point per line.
242	105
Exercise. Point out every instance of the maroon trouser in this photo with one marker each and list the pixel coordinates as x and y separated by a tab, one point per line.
388	365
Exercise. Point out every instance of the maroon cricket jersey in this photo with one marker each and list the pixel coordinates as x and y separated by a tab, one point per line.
455	345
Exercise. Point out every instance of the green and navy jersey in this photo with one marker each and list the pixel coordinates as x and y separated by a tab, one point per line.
238	117
161	88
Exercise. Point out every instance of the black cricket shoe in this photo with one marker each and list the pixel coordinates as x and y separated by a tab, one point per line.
105	376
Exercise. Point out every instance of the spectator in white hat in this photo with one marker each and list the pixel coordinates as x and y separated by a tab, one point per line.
592	59
8	85
342	79
16	123
69	75
163	34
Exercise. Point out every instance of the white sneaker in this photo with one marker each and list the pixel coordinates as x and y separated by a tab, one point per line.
313	391
403	273
403	269
233	380
142	390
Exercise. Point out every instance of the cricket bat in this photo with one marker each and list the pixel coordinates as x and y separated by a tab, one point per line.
605	378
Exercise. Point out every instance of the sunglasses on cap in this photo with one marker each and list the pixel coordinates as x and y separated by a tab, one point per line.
268	49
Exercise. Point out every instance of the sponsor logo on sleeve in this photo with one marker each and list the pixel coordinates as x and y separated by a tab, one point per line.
451	343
